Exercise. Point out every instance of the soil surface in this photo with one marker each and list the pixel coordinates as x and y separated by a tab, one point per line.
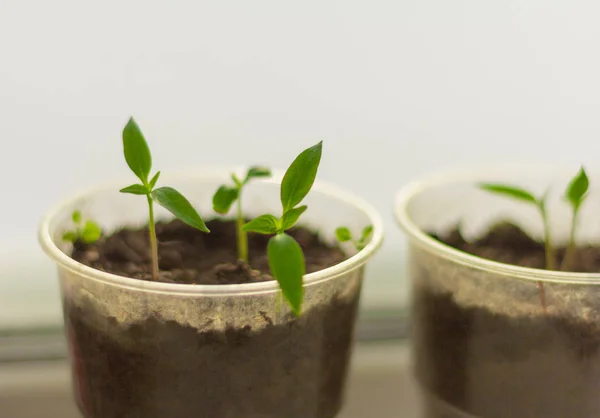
292	370
189	256
495	366
509	244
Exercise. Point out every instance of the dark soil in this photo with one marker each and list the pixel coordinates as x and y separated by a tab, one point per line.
495	366
188	256
292	370
509	244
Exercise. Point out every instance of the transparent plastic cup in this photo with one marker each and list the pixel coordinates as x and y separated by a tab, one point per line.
165	350
482	344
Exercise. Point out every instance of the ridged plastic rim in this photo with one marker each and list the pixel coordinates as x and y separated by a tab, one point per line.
325	188
405	196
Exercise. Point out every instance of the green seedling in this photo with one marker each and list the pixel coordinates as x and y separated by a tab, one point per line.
575	195
87	232
343	234
525	196
227	195
286	258
138	157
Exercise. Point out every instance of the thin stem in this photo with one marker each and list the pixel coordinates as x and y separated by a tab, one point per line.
542	293
566	263
242	236
152	234
548	242
549	254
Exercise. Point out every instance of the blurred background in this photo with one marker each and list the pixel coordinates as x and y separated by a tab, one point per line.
395	90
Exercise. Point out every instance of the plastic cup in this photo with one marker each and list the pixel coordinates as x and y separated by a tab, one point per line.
168	349
482	344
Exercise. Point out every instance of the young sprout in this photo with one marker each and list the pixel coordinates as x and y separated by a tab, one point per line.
343	234
227	195
138	157
286	259
523	195
575	194
88	233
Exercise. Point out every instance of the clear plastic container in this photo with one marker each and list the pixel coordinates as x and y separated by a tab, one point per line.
482	344
164	350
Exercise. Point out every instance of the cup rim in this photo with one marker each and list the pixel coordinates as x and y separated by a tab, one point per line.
417	236
352	263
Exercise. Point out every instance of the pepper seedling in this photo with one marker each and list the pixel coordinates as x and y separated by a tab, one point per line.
138	158
87	233
227	195
286	258
575	195
343	234
523	195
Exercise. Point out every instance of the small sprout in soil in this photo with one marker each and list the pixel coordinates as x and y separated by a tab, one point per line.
575	194
527	197
286	258
227	195
87	233
138	157
523	195
343	234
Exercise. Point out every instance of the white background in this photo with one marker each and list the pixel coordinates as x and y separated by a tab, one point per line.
394	88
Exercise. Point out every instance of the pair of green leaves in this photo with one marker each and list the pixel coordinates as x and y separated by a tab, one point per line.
343	234
227	195
297	182
138	157
286	258
575	193
88	233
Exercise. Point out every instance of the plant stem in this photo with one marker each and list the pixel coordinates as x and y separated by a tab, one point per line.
542	293
549	255
548	242
571	246
152	234
242	236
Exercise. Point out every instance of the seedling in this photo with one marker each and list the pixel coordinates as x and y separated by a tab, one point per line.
138	157
286	259
227	195
88	233
574	194
523	195
343	234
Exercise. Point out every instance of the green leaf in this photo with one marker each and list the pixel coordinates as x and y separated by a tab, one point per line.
76	216
286	262
290	217
577	189
135	189
509	191
300	176
224	198
154	180
136	151
264	224
254	172
366	232
343	234
69	236
178	205
236	181
91	232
